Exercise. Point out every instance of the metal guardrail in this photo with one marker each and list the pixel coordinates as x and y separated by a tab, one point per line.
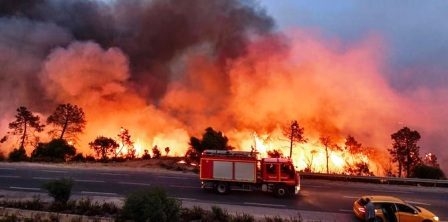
374	179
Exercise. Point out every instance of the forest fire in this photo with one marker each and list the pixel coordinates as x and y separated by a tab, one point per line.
165	88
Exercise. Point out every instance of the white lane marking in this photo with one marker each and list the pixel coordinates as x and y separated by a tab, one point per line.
391	191
25	188
131	183
345	210
317	186
186	199
7	168
171	177
53	171
45	178
112	174
351	197
9	176
264	205
418	203
90	181
99	193
180	186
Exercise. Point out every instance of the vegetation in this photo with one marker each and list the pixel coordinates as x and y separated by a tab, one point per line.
57	150
329	146
275	153
145	205
24	124
405	150
211	139
68	119
60	190
156	152
151	205
104	147
126	144
295	134
427	172
17	155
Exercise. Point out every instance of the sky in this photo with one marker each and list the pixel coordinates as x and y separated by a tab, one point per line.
414	32
167	69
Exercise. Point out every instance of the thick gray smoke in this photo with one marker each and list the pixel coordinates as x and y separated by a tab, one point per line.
151	33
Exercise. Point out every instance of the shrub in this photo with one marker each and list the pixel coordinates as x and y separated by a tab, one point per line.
78	158
243	218
427	172
18	155
57	150
2	156
146	155
90	158
219	214
60	190
151	205
194	214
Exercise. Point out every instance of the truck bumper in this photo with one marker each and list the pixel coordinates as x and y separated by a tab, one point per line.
206	185
296	189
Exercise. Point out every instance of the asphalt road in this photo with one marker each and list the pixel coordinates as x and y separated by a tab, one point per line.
316	195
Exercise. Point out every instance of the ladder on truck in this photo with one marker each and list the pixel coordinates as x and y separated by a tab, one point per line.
230	153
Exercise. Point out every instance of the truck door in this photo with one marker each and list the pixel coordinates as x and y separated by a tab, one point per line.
271	171
287	171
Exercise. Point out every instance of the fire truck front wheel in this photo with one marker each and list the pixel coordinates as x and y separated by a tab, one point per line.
222	188
281	191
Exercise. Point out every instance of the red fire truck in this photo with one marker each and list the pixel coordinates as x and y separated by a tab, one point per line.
224	170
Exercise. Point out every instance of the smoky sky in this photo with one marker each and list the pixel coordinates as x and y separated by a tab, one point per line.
150	33
415	33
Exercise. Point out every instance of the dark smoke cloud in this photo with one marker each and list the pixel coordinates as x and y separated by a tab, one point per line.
24	45
152	33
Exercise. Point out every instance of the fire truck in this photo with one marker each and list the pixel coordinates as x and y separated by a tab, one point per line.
225	170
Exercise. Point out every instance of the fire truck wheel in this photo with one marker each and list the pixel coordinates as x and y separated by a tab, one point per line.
222	188
281	191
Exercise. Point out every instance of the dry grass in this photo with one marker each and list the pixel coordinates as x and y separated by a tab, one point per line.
160	164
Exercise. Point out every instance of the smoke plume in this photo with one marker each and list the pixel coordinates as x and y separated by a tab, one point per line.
166	70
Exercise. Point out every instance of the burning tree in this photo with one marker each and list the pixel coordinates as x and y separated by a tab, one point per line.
352	146
405	150
309	161
68	119
356	161
211	139
326	141
104	146
126	142
275	153
24	125
57	150
430	159
156	152
295	134
167	150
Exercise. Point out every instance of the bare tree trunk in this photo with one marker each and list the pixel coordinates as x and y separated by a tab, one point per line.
326	154
64	128
22	142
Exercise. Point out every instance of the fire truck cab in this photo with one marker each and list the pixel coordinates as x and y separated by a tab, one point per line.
224	170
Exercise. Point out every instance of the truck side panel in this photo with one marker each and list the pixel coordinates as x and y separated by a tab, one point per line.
245	171
228	170
222	170
206	168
